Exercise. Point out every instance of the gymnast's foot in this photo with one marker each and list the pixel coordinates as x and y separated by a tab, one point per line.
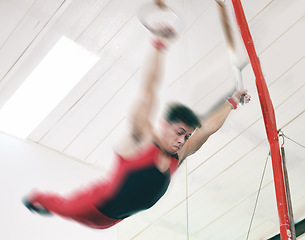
40	210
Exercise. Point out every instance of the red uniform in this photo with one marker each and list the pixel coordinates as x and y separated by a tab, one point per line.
135	185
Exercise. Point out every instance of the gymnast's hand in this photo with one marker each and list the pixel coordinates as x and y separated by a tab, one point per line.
165	31
163	36
160	3
238	94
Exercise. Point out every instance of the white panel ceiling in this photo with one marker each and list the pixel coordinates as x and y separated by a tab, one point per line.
214	192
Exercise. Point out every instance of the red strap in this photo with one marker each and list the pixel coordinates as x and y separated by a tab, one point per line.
233	102
173	165
157	43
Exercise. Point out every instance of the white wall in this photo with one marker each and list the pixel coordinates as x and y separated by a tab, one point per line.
25	166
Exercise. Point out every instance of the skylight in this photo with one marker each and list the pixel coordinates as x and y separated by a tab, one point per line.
62	68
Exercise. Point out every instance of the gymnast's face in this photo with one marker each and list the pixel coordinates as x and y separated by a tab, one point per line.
174	135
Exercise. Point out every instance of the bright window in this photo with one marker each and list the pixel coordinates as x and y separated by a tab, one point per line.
62	68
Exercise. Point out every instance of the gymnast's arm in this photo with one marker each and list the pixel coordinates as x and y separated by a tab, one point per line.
211	124
140	116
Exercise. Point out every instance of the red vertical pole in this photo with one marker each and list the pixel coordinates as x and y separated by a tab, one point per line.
269	119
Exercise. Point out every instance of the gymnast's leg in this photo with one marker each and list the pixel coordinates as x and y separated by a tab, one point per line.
79	207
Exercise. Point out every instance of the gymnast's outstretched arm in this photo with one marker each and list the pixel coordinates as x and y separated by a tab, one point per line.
141	113
212	123
152	71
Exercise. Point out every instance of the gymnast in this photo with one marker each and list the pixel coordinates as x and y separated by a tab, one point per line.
146	158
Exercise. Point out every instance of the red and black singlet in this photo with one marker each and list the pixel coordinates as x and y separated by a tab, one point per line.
139	184
136	184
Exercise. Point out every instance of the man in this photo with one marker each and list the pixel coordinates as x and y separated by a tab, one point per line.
147	156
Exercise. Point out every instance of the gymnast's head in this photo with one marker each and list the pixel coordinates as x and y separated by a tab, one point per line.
178	124
177	112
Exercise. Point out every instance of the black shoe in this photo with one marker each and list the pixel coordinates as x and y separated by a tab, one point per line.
32	208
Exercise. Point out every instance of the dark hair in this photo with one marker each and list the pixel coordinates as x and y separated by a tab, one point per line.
177	112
